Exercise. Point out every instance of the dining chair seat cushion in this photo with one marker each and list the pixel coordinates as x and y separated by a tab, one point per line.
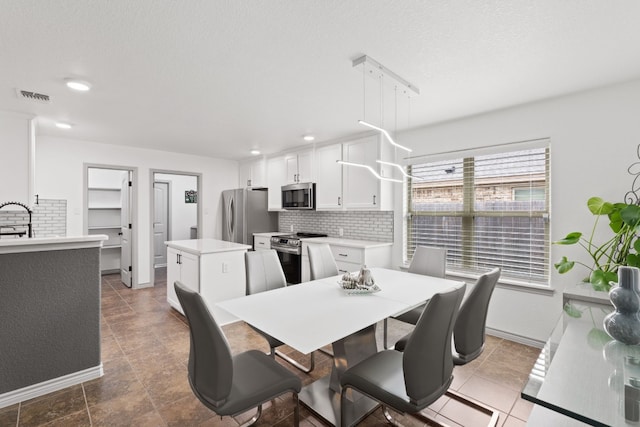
382	377
256	378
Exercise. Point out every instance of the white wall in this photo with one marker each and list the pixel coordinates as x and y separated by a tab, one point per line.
60	170
593	135
183	215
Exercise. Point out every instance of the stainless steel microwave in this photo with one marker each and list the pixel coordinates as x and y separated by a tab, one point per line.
299	196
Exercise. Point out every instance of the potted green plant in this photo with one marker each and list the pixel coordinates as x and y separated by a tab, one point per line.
622	248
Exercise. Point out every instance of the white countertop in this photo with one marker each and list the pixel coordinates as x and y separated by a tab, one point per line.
39	244
206	246
361	244
270	233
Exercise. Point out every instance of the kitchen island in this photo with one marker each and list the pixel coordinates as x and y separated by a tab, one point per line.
49	315
214	268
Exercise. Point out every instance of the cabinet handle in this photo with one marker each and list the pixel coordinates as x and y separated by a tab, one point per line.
261	243
342	271
374	199
339	201
343	255
248	183
178	260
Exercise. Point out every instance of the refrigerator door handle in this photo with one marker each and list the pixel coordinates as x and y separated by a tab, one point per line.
231	218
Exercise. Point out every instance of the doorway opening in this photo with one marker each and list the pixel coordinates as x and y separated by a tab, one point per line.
175	215
108	210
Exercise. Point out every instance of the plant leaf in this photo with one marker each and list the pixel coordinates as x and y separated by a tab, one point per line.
630	214
570	239
597	206
572	311
636	245
598	280
615	221
597	338
633	260
564	265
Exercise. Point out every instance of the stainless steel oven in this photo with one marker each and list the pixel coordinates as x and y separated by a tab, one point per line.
299	196
289	249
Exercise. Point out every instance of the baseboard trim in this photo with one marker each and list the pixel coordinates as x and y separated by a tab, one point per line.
49	386
515	338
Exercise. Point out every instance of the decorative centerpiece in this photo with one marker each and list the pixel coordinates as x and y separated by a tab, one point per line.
624	323
359	283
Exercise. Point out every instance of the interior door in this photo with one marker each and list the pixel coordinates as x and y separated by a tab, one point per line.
160	223
125	231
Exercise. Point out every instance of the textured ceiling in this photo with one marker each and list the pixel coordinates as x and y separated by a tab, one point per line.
219	78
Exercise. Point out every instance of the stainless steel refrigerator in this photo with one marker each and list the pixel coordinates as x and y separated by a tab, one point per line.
244	212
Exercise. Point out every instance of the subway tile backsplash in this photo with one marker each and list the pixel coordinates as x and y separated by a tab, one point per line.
49	218
359	225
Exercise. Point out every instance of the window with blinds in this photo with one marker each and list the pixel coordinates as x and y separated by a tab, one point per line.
488	210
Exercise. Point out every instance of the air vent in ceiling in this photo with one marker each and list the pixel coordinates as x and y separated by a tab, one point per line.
33	96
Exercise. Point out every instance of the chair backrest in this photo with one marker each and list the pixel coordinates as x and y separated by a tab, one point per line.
263	271
321	261
210	363
469	331
429	261
426	361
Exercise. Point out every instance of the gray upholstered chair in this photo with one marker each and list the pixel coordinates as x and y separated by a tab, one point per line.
264	273
410	381
321	262
469	332
427	261
226	384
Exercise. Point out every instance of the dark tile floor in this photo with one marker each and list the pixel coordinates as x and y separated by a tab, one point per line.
145	347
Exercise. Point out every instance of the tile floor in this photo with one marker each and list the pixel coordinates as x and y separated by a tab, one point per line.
145	347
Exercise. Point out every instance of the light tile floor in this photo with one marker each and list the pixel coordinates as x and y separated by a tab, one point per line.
145	346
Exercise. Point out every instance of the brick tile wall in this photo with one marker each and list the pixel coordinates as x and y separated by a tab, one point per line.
358	225
49	217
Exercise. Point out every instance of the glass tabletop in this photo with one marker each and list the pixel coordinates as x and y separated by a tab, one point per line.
585	374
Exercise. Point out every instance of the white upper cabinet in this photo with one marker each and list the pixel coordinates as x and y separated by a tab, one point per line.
361	189
253	173
17	138
299	167
329	180
276	178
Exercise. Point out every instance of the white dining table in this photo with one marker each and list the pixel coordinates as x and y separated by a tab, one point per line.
313	314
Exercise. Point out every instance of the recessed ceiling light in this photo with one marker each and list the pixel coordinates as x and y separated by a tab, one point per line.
309	138
62	125
255	152
79	85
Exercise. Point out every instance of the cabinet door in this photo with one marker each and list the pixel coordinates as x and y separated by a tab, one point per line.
261	243
276	178
361	187
259	173
305	167
190	271
17	134
329	181
291	167
173	274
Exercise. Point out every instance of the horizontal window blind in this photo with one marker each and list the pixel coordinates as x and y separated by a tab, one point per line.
488	210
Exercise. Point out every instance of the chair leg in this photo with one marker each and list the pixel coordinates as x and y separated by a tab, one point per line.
476	405
253	420
296	410
428	420
295	363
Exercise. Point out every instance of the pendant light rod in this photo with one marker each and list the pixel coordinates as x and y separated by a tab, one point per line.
400	168
386	134
370	169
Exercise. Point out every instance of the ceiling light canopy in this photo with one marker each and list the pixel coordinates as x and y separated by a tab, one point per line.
309	138
255	152
63	125
78	85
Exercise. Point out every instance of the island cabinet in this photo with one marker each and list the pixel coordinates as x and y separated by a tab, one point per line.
349	254
214	268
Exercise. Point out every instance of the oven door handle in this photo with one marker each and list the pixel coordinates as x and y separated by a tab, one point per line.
293	251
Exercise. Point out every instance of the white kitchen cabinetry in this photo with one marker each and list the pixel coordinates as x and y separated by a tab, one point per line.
103	217
261	243
184	267
329	180
276	178
17	174
299	167
349	255
214	268
361	189
253	173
